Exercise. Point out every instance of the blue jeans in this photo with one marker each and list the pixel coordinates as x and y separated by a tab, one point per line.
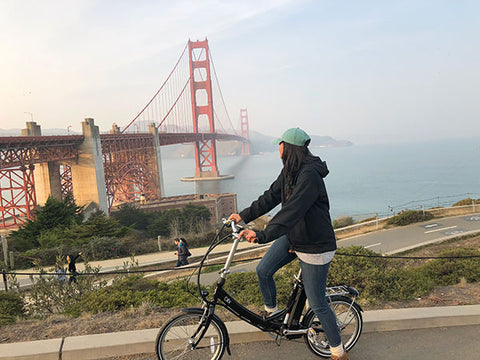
276	257
181	262
314	279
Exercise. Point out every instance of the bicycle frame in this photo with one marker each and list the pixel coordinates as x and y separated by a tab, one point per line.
282	322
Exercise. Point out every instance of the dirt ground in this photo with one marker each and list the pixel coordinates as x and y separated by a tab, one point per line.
146	317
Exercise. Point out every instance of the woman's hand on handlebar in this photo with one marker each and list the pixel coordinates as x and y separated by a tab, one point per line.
235	218
249	235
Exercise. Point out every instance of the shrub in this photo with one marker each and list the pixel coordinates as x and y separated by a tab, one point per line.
48	295
465	202
131	216
11	307
104	247
377	278
409	217
133	291
450	271
342	222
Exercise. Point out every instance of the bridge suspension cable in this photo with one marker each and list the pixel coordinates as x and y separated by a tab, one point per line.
161	106
222	98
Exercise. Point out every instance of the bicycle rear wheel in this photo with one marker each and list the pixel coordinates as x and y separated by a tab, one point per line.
176	337
349	322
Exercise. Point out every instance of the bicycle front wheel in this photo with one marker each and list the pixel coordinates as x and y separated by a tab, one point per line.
176	338
349	322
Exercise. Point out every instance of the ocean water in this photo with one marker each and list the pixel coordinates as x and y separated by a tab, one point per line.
364	179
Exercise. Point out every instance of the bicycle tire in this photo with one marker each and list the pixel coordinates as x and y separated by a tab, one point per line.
174	338
349	321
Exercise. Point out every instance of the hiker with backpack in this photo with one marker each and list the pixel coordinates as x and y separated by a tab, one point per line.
182	252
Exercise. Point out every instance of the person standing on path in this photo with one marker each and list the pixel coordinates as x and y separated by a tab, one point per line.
302	228
72	267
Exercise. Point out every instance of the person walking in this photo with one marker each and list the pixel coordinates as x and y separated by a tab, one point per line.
72	267
182	251
60	275
302	228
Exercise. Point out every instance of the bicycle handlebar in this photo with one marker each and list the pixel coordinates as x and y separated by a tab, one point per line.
235	227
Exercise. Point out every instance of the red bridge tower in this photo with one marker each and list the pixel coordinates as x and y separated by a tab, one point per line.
202	108
245	131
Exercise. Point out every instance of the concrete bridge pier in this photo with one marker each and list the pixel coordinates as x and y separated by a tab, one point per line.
47	181
158	157
88	175
46	175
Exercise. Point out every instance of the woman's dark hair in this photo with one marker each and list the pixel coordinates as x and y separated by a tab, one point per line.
184	241
293	158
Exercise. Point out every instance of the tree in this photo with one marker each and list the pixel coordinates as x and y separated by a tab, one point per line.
54	214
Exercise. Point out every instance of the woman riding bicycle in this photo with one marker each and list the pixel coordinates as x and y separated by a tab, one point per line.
301	228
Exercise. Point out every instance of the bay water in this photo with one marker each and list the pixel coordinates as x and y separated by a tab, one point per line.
364	180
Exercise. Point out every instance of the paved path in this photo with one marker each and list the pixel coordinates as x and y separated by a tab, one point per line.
445	343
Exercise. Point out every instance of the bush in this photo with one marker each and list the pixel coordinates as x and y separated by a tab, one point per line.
131	216
342	222
450	271
377	279
11	307
409	217
104	247
466	202
132	292
172	222
48	295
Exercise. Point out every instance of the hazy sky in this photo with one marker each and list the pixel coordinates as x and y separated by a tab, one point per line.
366	71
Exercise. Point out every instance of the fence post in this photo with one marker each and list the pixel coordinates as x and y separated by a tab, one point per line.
5	250
376	221
5	283
12	261
473	204
159	238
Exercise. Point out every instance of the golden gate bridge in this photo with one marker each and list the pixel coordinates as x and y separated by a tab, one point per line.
118	167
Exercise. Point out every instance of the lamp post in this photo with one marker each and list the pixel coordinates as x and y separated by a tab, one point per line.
31	115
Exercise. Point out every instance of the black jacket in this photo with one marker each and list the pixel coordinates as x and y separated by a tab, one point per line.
305	217
72	264
182	251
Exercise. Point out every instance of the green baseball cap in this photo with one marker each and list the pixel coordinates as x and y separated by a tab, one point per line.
294	136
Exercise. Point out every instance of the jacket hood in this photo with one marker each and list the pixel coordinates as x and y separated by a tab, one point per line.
319	165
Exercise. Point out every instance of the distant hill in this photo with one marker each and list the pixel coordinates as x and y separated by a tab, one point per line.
53	131
259	143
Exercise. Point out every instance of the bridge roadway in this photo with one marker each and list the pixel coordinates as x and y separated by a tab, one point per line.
26	150
384	241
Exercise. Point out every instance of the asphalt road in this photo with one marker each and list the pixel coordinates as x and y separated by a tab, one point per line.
406	237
